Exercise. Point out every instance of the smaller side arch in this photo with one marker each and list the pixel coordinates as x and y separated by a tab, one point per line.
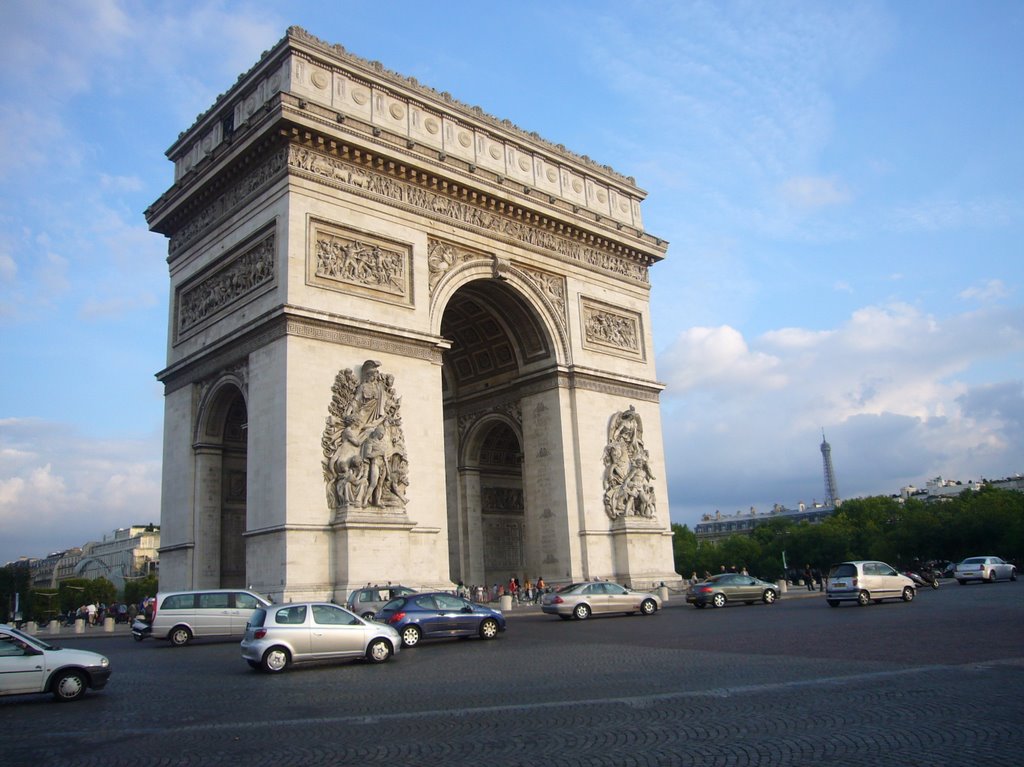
215	402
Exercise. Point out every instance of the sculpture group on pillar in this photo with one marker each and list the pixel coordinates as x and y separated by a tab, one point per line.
365	462
628	488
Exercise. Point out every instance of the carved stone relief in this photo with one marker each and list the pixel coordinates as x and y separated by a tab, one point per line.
501	500
240	276
343	260
628	486
443	206
553	288
365	462
610	330
443	256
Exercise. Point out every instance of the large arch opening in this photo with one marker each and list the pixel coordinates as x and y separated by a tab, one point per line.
498	341
221	464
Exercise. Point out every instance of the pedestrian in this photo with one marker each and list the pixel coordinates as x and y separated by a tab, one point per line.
541	587
693	578
809	577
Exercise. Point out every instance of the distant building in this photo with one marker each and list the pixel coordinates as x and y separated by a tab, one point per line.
720	526
124	554
937	489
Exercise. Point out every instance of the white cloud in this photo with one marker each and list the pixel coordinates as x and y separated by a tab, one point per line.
991	290
59	488
890	386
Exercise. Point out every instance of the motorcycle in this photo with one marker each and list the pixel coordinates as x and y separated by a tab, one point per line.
141	629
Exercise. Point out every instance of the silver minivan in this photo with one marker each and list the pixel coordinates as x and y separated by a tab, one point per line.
864	582
220	613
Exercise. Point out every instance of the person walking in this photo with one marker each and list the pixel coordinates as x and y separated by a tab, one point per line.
809	577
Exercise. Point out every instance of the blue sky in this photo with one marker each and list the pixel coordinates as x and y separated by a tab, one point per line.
841	185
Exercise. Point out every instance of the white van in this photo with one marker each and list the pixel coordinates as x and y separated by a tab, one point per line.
222	613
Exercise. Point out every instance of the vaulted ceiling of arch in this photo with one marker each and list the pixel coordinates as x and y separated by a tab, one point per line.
493	334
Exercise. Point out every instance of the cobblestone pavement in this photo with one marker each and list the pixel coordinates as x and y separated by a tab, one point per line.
939	681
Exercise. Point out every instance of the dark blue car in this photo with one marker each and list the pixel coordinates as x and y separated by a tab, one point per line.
436	615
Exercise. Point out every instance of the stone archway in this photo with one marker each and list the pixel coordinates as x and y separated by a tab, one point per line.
498	341
221	469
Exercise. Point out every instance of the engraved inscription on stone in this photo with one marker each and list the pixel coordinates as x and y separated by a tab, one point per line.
341	260
501	500
241	276
611	330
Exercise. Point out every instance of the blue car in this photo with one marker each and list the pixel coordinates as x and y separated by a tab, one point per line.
436	615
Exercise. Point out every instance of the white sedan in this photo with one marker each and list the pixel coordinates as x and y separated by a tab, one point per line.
990	569
28	664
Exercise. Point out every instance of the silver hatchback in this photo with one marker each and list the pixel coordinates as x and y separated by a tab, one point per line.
864	582
302	632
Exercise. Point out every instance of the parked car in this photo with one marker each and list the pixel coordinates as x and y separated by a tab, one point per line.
864	582
303	632
581	600
435	615
183	615
30	665
990	569
369	599
719	590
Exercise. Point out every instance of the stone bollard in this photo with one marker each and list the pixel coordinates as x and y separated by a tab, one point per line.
108	625
31	627
663	593
505	602
54	626
783	585
79	625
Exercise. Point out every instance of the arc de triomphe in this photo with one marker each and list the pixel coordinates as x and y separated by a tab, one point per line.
408	342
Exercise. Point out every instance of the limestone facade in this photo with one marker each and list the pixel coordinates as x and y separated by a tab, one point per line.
401	336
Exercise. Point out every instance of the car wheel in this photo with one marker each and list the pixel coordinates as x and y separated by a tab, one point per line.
768	596
991	576
863	598
488	628
69	686
1013	575
180	636
833	603
275	660
137	637
410	636
908	594
648	607
367	616
581	612
379	651
253	663
718	600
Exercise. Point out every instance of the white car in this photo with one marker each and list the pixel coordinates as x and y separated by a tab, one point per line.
865	582
989	569
28	665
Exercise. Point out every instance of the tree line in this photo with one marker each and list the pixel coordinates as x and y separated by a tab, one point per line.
989	521
43	604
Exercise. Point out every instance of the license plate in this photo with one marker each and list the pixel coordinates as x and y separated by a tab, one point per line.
839	585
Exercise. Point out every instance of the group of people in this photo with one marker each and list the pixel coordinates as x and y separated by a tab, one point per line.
528	592
122	612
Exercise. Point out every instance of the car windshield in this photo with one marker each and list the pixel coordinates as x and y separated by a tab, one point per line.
974	561
568	587
31	640
394	605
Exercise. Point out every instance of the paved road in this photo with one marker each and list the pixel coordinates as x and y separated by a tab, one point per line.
936	682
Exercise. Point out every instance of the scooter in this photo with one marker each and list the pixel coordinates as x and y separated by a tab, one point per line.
927	577
141	629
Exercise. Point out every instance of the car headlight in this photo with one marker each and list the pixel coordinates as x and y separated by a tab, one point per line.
104	662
